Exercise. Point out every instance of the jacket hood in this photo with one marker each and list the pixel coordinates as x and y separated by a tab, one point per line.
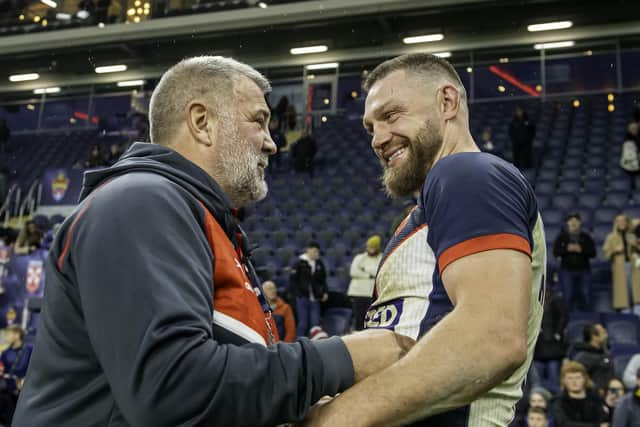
153	158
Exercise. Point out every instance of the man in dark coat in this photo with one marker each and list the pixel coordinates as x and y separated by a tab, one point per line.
522	131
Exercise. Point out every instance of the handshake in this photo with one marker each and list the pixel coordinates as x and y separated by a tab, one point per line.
371	352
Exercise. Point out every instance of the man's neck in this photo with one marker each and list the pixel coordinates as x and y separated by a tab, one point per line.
456	140
578	394
16	345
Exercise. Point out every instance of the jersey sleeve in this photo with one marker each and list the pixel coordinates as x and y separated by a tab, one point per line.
475	206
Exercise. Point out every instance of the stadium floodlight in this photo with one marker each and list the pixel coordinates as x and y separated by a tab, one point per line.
24	77
548	26
46	90
427	38
442	54
308	49
262	5
130	83
50	3
553	45
111	69
324	66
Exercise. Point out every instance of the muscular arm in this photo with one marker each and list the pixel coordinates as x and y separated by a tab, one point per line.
476	347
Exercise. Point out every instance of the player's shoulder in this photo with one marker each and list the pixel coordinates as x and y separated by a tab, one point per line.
475	171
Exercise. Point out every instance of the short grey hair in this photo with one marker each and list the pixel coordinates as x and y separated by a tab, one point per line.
210	77
422	64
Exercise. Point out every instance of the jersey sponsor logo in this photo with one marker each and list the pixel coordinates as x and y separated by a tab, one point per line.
384	316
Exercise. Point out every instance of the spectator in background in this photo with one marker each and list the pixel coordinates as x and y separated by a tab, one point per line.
522	131
280	141
280	111
592	353
114	154
308	284
487	144
13	368
363	277
614	393
578	405
5	134
625	276
282	312
303	152
627	412
29	239
537	417
551	346
575	248
291	117
630	157
95	158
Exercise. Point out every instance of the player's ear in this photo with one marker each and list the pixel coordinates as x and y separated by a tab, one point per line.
449	100
201	122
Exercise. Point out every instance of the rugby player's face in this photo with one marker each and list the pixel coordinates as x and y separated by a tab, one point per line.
402	122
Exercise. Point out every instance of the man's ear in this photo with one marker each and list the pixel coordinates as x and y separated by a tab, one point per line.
449	101
201	122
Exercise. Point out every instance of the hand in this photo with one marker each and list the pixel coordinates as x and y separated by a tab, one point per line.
325	297
19	383
375	349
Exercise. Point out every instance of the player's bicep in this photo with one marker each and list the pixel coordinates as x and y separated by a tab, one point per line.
492	286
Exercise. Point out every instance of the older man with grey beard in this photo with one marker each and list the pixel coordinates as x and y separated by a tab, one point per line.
153	314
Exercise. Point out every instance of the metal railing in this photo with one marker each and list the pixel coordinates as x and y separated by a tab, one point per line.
5	209
31	201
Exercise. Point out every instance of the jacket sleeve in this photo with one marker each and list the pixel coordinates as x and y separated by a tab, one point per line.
588	247
629	376
621	416
144	272
356	271
607	247
559	246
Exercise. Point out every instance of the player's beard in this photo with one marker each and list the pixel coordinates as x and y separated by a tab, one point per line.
402	180
244	182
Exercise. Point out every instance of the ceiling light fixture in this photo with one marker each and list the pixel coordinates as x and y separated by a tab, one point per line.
442	54
111	69
548	26
426	38
308	49
50	3
554	45
324	66
130	83
24	77
46	90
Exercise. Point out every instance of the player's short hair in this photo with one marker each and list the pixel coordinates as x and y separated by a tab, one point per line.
573	367
537	410
422	64
209	77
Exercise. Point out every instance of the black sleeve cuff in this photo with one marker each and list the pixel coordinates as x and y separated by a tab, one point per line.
338	366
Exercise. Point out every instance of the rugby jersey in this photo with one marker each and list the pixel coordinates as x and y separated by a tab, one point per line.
470	202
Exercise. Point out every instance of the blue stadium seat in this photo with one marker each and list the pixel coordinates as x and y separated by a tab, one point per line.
575	329
616	199
589	201
622	328
569	186
601	301
564	201
620	363
544	188
605	215
552	217
619	184
594	186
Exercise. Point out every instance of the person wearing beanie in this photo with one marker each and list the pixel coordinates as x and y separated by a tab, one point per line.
363	276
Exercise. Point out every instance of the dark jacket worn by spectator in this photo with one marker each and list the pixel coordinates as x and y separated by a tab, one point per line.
522	131
574	261
569	412
627	412
303	282
303	152
551	344
598	363
163	321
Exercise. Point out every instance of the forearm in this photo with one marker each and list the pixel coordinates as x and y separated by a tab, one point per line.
459	371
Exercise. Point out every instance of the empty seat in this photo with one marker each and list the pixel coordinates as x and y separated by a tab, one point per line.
605	215
564	201
590	201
